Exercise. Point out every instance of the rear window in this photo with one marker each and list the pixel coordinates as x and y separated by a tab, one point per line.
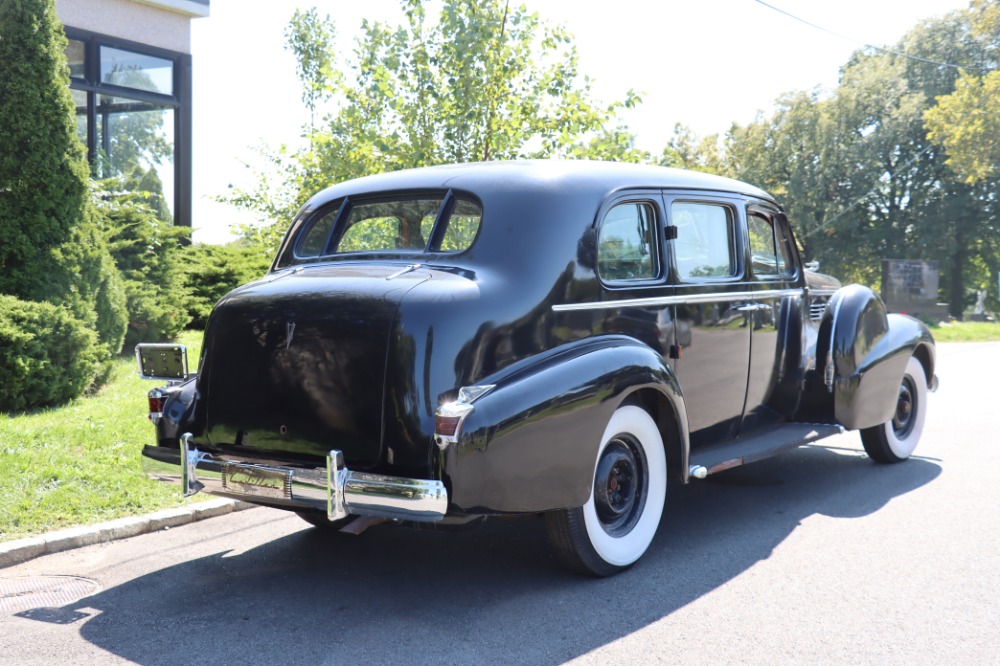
393	225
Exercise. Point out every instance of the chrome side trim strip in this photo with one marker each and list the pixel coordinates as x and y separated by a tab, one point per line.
690	299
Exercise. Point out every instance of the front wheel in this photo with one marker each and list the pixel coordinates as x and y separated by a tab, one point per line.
615	527
895	440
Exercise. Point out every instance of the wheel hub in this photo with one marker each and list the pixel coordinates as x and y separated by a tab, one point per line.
619	486
902	420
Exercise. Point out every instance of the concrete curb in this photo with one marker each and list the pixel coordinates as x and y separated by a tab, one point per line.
22	550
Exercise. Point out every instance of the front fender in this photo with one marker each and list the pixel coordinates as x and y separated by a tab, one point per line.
866	352
531	443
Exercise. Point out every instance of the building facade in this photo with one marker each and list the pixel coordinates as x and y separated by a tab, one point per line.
130	75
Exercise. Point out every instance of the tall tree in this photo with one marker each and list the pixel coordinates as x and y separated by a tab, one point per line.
858	173
51	247
484	81
43	168
966	122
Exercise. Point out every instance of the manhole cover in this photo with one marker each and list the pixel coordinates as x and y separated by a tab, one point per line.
43	591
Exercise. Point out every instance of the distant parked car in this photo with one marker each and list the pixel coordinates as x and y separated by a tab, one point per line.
558	338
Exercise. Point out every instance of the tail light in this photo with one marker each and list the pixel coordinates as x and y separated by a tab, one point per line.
449	416
157	399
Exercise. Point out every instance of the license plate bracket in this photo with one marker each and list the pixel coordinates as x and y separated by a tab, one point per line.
257	480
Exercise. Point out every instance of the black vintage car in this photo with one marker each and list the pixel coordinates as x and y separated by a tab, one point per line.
560	338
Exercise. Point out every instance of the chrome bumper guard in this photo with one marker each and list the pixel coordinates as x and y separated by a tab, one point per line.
336	490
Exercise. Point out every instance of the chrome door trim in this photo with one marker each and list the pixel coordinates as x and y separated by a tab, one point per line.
690	299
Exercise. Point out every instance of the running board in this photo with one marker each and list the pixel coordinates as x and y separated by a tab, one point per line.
714	458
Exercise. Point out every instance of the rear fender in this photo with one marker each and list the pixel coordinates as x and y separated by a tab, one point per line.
178	413
864	351
531	442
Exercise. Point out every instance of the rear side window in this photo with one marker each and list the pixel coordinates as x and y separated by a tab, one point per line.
403	225
705	242
626	243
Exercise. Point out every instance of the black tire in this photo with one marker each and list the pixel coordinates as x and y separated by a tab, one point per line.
614	528
895	440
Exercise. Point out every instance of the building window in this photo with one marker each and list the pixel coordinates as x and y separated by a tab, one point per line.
133	106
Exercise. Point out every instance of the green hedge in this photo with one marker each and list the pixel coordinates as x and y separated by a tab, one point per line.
212	271
147	249
46	355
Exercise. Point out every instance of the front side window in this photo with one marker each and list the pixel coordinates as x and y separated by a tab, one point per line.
626	243
768	251
704	246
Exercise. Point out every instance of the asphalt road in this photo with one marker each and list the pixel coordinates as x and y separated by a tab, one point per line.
817	556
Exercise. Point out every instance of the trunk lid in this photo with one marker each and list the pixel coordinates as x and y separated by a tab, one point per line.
295	364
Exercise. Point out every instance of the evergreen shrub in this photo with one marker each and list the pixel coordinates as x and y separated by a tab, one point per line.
212	271
51	248
47	356
147	250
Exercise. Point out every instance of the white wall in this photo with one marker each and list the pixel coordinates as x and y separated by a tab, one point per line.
131	20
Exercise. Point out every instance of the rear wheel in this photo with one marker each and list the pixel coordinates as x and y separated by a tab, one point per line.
895	440
615	527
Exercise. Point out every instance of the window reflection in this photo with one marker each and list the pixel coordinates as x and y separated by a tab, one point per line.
80	102
704	244
625	245
129	104
136	140
75	56
136	70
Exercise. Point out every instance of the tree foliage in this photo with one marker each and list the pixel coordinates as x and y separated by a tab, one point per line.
859	175
46	355
966	122
51	247
147	251
482	82
212	271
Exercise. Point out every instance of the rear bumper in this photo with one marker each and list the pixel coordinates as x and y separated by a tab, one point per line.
335	490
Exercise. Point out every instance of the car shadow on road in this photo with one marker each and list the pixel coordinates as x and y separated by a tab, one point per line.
495	594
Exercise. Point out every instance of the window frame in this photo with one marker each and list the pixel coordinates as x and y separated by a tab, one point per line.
656	242
736	237
779	225
179	102
288	255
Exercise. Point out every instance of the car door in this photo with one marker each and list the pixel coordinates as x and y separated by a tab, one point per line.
775	283
632	270
712	312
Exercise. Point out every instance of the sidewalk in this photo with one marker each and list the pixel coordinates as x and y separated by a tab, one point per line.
22	550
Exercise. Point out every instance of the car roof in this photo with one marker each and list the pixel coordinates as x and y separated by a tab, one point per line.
503	177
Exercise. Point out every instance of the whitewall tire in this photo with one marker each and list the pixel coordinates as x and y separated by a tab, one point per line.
617	524
895	440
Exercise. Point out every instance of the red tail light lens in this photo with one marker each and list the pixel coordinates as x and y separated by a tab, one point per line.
156	403
446	425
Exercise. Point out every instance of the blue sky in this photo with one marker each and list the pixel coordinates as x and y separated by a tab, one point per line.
705	63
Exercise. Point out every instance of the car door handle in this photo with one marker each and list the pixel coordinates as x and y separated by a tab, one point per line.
751	307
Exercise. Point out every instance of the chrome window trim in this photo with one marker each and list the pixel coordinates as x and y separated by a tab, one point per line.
691	299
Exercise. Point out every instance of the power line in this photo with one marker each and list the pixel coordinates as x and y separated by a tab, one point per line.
872	46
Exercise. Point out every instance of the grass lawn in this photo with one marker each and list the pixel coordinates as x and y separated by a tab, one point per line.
79	464
966	331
